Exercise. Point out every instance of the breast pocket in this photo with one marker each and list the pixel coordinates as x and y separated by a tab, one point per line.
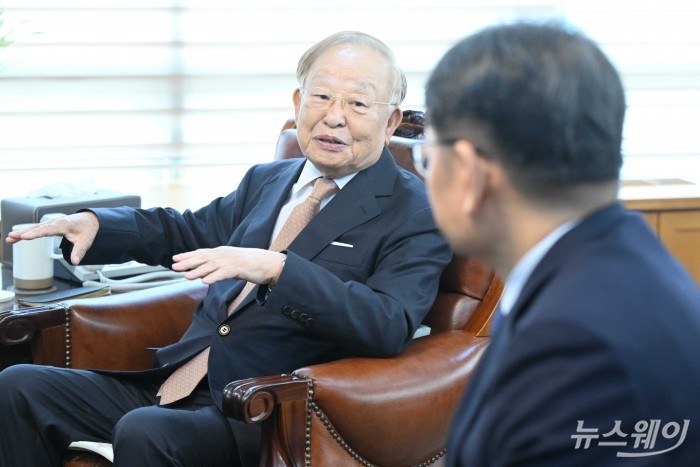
341	252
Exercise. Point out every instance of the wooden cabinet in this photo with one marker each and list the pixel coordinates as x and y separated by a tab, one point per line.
672	208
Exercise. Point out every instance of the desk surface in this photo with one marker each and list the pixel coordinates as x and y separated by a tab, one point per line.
661	194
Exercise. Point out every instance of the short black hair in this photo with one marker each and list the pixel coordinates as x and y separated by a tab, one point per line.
550	101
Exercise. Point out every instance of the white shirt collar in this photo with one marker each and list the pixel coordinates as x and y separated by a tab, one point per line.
310	173
523	269
301	189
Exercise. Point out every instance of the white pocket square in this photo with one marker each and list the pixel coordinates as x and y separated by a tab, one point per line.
344	245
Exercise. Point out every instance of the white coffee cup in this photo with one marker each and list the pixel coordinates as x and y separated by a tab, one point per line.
32	261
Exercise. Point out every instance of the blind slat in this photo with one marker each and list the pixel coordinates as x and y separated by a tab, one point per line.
162	90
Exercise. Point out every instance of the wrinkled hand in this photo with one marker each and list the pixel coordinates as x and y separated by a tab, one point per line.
224	262
80	229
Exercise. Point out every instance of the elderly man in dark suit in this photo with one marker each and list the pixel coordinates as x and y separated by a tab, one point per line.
594	361
356	280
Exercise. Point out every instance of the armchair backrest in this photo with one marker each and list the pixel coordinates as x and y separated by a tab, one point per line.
467	297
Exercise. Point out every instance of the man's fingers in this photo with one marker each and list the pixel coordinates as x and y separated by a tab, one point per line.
77	255
57	227
37	231
80	229
184	262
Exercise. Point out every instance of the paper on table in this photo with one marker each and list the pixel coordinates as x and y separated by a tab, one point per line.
55	297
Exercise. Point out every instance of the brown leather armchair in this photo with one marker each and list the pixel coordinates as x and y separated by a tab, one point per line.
388	412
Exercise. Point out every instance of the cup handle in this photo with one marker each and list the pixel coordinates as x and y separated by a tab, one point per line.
56	255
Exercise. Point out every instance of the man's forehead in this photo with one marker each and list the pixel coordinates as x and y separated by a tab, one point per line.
343	70
335	83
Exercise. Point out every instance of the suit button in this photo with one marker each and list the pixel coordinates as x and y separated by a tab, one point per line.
287	310
295	314
308	323
303	317
224	329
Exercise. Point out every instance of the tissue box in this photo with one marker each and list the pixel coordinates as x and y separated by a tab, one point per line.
28	209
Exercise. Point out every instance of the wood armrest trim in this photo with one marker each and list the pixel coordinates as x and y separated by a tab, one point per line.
253	400
20	326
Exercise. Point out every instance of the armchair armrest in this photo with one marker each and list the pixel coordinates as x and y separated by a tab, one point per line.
16	332
115	332
406	402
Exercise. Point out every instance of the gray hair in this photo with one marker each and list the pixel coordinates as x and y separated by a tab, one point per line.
355	38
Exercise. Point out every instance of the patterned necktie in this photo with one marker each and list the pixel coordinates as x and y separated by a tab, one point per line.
183	380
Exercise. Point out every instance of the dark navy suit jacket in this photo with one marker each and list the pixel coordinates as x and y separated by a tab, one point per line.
331	301
606	331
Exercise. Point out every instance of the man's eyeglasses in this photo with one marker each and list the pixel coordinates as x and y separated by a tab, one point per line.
423	154
322	99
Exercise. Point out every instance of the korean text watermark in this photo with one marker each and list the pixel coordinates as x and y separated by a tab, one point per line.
643	442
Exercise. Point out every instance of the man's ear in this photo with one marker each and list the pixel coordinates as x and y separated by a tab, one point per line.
296	98
392	124
474	174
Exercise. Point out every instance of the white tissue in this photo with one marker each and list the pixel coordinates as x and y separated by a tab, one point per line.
66	190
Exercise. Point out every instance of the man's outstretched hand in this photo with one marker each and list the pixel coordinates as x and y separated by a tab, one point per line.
80	229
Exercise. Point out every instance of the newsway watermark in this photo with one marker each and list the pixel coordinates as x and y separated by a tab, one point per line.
643	442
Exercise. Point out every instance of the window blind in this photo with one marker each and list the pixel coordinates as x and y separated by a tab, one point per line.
174	99
656	47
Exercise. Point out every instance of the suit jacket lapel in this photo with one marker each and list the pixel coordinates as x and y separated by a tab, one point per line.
355	204
273	196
